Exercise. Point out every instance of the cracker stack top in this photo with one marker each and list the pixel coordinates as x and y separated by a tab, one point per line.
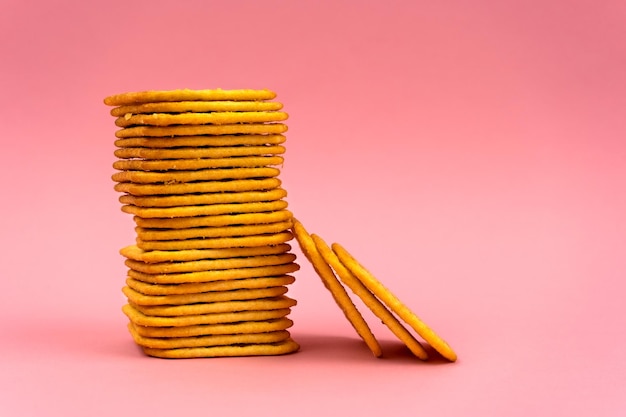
198	171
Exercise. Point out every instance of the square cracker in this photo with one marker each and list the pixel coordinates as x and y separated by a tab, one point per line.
280	348
138	298
141	319
207	340
146	288
248	327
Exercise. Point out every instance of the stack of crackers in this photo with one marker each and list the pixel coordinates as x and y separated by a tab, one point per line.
209	271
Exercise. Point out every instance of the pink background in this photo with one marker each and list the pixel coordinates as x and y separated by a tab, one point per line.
471	154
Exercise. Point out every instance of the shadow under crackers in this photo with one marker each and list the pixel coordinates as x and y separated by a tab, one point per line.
324	348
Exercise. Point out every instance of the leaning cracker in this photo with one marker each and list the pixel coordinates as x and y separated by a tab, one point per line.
231	317
210	264
214	220
155	201
214	118
270	349
198	153
197	309
206	297
373	285
370	300
205	209
187	130
257	282
196	107
207	341
215	275
248	327
200	141
336	289
198	187
211	174
218	94
217	242
197	163
211	232
135	253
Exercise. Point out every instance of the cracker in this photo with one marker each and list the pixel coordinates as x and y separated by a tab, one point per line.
196	107
271	349
198	163
215	318
214	220
257	282
207	341
271	194
188	130
211	174
215	275
151	96
206	297
205	210
214	118
369	299
248	327
394	304
197	309
219	242
145	235
198	187
210	264
200	141
138	254
218	152
336	289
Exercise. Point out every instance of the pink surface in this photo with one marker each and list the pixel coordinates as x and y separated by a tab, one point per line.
470	154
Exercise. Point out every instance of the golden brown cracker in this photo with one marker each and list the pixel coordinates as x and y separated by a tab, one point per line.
198	187
256	282
190	164
213	118
281	348
188	130
394	304
214	220
137	298
208	340
198	153
217	242
205	210
211	174
215	275
138	254
210	264
336	289
247	327
195	107
158	201
200	141
196	309
152	96
369	299
145	234
141	319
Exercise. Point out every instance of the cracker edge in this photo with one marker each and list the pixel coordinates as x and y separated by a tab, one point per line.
333	285
394	304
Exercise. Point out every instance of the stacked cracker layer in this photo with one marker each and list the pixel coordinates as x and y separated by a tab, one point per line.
209	271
